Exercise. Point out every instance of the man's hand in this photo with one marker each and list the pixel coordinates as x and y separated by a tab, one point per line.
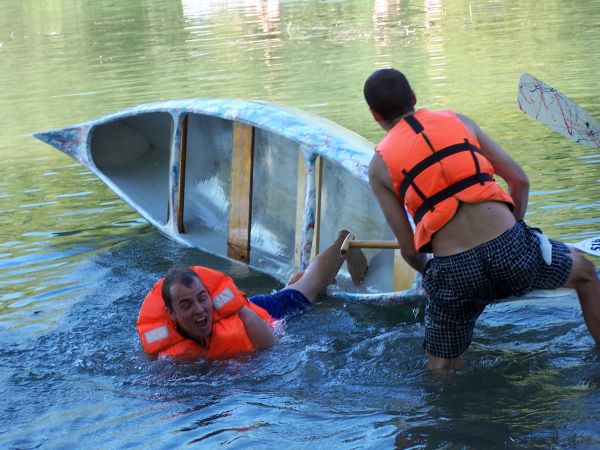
226	303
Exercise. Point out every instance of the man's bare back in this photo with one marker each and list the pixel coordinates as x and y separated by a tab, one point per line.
473	224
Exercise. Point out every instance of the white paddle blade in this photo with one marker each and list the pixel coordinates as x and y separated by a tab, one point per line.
557	111
590	246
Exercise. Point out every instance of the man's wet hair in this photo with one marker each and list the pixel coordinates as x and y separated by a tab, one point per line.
179	275
388	93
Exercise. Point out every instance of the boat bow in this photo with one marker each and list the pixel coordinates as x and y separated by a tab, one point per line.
69	140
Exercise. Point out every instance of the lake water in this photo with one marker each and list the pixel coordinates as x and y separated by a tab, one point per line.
75	261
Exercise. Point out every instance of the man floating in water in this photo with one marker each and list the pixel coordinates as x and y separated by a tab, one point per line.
197	312
441	166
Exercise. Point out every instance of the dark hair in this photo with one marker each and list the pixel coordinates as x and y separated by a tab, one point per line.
178	275
388	93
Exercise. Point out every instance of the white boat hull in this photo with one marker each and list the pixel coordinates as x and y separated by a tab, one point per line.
260	183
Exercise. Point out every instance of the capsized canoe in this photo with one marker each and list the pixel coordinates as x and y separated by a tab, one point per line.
260	183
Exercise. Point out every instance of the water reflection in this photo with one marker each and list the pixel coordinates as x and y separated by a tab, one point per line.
265	15
204	9
268	13
394	25
435	46
382	11
433	13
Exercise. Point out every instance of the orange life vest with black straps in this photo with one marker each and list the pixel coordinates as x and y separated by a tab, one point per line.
160	337
435	163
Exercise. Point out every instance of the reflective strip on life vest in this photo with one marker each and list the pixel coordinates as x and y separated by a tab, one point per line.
156	334
222	297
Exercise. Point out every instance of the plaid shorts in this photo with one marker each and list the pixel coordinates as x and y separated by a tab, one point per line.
462	285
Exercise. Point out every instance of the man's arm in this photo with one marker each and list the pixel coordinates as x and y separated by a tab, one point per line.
504	166
258	330
394	212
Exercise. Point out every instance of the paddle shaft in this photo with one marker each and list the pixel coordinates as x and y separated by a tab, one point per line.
591	246
354	243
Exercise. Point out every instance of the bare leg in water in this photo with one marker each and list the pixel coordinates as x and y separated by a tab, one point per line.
584	280
321	271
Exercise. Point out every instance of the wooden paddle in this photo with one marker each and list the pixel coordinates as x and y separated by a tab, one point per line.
557	111
590	245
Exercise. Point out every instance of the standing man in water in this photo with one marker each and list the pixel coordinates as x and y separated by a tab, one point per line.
441	166
196	312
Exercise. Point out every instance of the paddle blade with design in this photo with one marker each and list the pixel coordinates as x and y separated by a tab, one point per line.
557	111
590	246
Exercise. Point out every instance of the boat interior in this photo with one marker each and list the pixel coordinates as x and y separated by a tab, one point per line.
241	191
133	153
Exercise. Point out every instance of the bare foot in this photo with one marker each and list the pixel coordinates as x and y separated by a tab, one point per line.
357	265
355	259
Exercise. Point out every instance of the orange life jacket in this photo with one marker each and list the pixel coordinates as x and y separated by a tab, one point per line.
159	335
435	163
